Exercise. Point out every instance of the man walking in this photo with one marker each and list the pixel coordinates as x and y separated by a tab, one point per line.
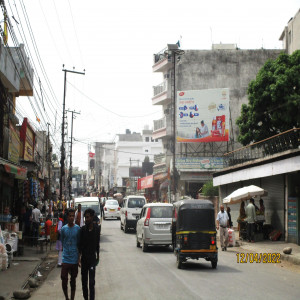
36	215
251	218
79	216
70	234
222	223
89	248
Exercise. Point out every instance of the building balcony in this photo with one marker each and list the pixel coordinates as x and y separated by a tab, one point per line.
162	93
162	61
161	128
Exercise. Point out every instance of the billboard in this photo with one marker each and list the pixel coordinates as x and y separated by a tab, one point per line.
202	116
197	163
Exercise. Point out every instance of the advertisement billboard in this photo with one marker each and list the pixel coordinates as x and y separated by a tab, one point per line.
14	144
203	115
197	163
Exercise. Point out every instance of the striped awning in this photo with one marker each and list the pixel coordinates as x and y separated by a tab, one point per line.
19	171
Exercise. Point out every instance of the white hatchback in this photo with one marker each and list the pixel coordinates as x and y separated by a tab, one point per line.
154	225
111	209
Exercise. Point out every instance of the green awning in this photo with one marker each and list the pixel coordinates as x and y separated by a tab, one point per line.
19	171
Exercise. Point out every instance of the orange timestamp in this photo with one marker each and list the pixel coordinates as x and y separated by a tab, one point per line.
265	258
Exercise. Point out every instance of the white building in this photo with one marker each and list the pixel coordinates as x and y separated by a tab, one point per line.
130	151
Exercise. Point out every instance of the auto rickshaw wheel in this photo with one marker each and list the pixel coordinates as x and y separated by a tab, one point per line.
179	261
214	264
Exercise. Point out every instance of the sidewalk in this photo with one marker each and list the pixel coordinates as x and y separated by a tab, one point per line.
267	246
22	267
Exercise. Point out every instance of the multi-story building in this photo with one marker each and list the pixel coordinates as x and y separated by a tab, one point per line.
130	152
105	156
290	36
79	181
225	66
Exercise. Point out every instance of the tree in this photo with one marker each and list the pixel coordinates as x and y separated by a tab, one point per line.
274	100
209	190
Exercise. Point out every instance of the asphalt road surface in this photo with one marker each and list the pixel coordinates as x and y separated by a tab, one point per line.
125	272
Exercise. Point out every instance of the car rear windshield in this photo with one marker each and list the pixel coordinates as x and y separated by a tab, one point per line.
111	202
136	203
92	205
161	212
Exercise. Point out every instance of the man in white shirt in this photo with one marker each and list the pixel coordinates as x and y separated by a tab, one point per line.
222	223
203	129
36	215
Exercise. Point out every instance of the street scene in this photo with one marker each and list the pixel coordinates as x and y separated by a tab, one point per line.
149	150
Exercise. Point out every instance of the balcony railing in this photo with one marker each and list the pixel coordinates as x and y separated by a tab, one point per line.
159	124
160	55
288	140
163	87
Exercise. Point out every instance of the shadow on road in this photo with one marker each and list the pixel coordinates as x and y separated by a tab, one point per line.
191	266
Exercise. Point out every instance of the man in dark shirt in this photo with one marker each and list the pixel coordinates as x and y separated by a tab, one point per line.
89	248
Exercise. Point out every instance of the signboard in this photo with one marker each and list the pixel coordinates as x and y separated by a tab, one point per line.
136	172
196	163
146	182
14	144
203	115
196	176
27	136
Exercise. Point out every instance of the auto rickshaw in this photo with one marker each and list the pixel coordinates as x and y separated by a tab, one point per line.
194	231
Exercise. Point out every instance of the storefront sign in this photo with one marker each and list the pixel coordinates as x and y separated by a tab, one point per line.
14	144
203	115
160	176
27	136
194	163
196	176
146	182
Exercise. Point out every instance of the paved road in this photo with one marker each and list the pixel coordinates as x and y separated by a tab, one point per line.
125	272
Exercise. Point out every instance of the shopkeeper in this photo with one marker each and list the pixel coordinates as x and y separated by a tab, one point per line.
36	215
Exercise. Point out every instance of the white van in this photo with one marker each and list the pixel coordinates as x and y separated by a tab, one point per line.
89	202
131	211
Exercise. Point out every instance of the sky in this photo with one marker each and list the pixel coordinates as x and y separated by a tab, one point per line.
114	42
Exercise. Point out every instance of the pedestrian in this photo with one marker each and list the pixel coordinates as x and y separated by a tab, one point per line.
228	210
79	216
70	234
222	223
48	225
36	215
89	248
251	218
58	247
102	207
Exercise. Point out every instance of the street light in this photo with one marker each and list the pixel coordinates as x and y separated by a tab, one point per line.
173	51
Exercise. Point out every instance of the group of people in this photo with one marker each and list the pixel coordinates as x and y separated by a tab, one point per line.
78	245
248	214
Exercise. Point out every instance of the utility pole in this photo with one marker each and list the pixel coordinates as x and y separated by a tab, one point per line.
70	169
48	159
62	160
173	52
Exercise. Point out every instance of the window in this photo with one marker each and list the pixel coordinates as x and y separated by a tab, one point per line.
161	212
290	37
152	140
147	138
146	150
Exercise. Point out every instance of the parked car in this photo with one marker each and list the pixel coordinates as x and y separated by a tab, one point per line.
111	209
131	210
154	224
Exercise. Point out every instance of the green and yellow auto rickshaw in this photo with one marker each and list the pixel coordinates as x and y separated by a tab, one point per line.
194	231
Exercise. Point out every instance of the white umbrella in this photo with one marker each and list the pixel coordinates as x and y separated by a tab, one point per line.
244	193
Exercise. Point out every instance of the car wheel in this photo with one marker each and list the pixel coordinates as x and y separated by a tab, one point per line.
144	246
138	244
179	261
125	228
214	264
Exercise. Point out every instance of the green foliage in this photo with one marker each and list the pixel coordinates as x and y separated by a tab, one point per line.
274	100
209	190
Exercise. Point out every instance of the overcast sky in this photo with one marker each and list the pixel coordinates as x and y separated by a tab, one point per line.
114	41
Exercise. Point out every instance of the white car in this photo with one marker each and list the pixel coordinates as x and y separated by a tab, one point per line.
111	209
154	224
131	211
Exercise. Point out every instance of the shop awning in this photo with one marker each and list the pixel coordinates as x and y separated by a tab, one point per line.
19	171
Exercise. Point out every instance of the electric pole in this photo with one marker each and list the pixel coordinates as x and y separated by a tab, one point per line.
70	169
48	159
62	160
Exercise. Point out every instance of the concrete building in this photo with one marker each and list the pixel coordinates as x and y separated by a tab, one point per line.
290	36
105	158
79	182
130	152
225	66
